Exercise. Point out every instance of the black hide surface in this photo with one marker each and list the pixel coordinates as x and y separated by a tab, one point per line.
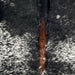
22	24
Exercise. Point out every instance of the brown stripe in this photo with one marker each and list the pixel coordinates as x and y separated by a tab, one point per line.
42	42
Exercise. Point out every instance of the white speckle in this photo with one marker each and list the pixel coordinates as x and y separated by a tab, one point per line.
58	16
65	51
10	54
15	47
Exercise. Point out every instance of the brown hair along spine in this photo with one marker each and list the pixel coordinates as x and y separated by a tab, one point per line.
42	49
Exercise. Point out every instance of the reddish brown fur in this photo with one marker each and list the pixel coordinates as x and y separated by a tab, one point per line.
42	42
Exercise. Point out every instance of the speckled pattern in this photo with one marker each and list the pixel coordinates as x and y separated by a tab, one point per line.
19	30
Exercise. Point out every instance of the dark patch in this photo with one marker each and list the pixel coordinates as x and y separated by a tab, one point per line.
34	60
48	6
1	11
21	18
57	29
10	67
57	68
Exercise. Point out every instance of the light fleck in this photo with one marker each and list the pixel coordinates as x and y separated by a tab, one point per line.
58	16
12	4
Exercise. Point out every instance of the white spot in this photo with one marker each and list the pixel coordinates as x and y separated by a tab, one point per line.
44	72
12	4
40	67
58	16
44	58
